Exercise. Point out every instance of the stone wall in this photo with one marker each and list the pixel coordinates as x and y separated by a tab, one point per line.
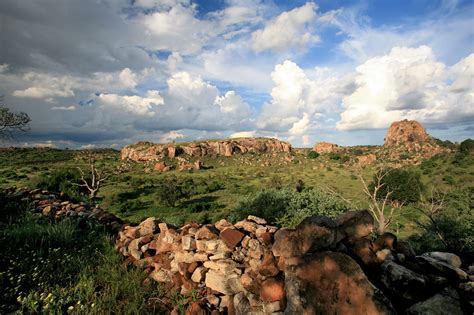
323	266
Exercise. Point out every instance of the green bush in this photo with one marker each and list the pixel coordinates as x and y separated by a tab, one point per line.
288	207
61	180
405	156
452	228
171	190
404	184
345	158
313	155
467	146
334	156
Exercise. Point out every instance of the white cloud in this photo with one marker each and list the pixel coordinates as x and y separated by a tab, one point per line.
72	107
243	134
4	67
134	104
176	28
291	29
407	83
298	101
171	136
128	78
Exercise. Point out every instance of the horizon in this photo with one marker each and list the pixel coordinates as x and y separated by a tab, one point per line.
111	73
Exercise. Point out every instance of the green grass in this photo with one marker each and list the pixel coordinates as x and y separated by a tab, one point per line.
134	195
68	267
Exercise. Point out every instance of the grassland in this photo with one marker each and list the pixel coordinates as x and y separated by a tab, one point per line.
226	180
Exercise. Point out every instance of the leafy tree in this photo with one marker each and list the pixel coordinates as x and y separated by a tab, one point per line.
404	185
467	146
11	122
171	190
313	155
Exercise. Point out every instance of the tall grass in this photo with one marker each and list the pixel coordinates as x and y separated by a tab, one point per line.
68	267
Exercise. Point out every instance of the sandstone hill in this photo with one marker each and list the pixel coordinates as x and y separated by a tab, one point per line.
147	151
323	266
410	137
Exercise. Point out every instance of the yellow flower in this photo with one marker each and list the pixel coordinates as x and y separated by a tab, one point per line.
70	308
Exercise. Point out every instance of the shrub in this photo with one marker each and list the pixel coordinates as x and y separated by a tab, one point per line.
288	207
334	156
405	156
404	184
61	180
313	155
171	190
345	158
467	146
450	229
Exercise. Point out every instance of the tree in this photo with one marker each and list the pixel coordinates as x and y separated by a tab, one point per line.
11	122
97	178
379	201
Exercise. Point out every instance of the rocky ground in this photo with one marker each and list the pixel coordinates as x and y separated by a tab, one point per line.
322	266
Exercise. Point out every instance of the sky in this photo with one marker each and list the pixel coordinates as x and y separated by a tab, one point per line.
107	73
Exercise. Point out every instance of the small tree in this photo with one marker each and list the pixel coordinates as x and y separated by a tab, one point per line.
378	201
11	122
97	178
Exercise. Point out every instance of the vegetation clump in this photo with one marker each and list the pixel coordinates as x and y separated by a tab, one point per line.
401	185
288	207
313	154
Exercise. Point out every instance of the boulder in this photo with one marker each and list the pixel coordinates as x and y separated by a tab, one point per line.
440	268
325	147
149	226
403	283
355	224
447	258
331	283
313	233
445	302
272	290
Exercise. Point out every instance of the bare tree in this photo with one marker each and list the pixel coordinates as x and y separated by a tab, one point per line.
11	122
431	208
379	204
98	177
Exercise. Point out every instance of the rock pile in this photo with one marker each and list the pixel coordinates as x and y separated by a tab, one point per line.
60	206
322	266
146	151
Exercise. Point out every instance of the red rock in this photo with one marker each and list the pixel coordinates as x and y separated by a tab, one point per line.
272	290
207	232
355	224
325	147
332	283
268	266
231	237
314	233
196	308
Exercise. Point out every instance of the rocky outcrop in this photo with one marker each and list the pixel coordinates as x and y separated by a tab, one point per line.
325	147
406	133
410	137
146	151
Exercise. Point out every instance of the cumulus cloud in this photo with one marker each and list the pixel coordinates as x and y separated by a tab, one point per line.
244	134
297	100
176	28
291	29
408	83
128	78
134	104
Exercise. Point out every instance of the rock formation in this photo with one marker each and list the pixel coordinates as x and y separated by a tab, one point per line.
325	147
409	138
146	151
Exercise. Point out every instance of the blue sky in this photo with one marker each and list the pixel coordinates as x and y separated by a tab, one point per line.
112	72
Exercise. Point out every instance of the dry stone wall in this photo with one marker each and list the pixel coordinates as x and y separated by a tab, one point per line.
323	266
